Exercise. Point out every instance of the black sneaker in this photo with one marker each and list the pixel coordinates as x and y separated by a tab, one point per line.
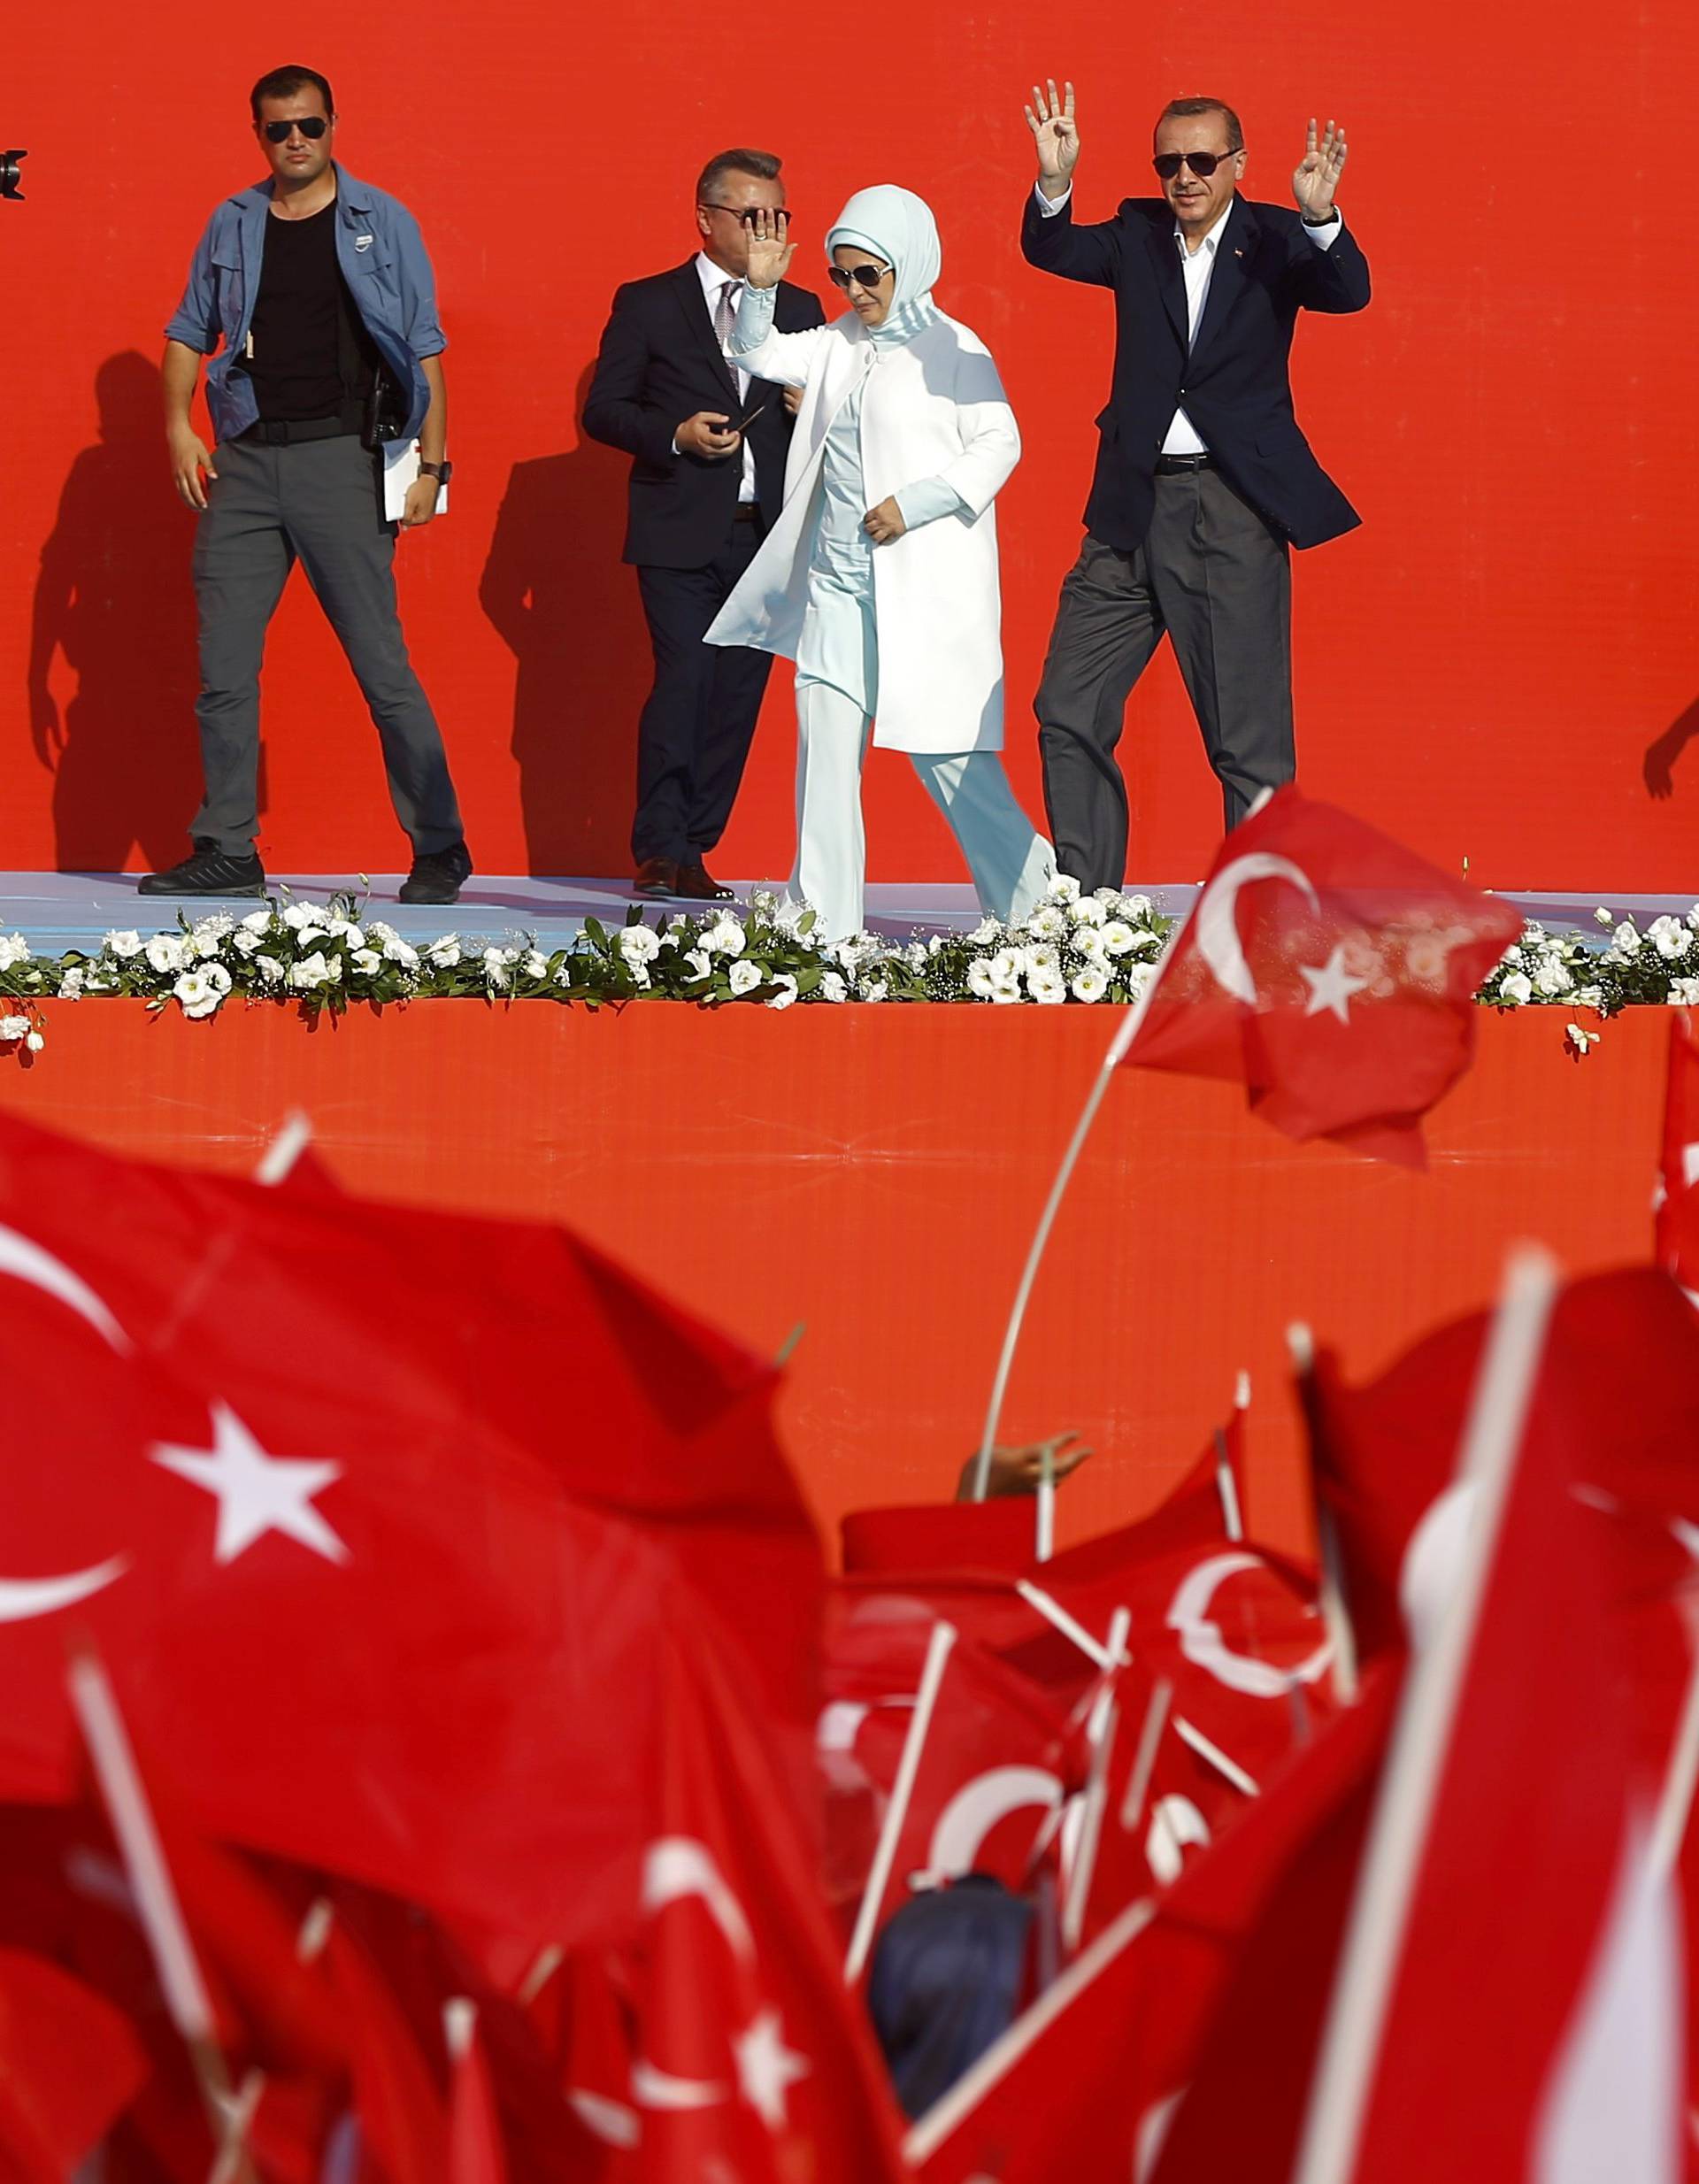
207	872
438	875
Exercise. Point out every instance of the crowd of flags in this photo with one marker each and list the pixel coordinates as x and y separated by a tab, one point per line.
436	1751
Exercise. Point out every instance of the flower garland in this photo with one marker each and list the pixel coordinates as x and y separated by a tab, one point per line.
1073	948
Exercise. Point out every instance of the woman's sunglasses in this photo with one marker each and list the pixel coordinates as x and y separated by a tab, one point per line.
314	127
864	276
1202	164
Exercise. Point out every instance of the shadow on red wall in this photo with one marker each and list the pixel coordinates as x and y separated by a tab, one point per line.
1658	768
114	599
567	606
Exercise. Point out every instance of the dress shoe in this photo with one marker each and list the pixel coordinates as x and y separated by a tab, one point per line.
657	875
697	884
438	875
209	871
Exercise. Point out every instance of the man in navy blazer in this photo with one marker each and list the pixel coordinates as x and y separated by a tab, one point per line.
1204	480
703	494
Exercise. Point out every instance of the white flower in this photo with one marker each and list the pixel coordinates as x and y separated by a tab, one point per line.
244	943
14	1027
256	921
1626	937
745	975
724	938
445	953
367	962
1135	906
699	963
1047	986
1119	937
1087	910
167	954
72	984
1516	989
1064	889
298	914
1693	916
1040	962
398	950
1091	984
1578	1039
979	978
787	992
1006	967
207	935
342	929
1532	930
269	967
1602	916
1684	993
536	964
850	952
916	953
831	988
875	990
1511	955
983	934
1552	977
1089	943
1593	997
1047	923
309	972
638	945
123	945
1670	937
34	1042
14	951
199	992
495	967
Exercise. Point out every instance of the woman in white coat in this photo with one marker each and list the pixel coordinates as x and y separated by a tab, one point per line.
880	578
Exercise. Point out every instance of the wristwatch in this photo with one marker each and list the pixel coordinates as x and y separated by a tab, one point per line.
1307	222
440	471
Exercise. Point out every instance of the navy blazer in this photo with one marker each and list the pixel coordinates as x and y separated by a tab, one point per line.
658	364
1233	383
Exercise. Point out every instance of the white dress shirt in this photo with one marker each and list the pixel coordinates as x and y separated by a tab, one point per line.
1196	266
714	279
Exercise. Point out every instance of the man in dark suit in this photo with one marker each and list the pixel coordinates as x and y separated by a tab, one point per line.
708	446
1204	480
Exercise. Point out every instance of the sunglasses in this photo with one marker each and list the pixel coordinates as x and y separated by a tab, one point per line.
748	214
1202	164
312	127
864	276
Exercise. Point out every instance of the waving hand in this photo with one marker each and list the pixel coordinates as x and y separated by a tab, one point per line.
1317	172
1050	119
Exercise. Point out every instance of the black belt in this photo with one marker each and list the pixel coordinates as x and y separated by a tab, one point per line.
1178	465
747	512
272	433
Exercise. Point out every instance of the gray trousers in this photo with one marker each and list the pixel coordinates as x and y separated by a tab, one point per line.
315	501
1213	576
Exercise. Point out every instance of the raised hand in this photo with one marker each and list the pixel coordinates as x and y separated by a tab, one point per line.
770	255
1050	119
1317	176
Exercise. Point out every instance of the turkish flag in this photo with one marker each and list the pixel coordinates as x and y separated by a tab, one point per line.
1332	970
753	2061
70	2063
1120	2029
309	1494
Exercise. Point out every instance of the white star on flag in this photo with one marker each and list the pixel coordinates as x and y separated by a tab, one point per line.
257	1493
766	2068
1331	985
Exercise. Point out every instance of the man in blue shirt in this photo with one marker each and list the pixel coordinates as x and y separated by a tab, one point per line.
317	295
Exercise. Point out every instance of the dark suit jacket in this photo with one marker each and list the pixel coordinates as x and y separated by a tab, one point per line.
1234	384
659	364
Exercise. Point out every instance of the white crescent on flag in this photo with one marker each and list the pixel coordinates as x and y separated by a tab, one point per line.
1213	924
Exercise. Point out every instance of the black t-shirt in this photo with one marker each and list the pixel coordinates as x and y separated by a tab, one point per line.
309	354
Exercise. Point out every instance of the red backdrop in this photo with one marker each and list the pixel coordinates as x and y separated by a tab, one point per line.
1503	663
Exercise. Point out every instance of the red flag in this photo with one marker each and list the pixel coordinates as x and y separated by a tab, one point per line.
944	1535
1332	970
753	2062
69	2065
1477	2029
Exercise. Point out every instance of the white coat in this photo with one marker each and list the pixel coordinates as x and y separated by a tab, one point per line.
933	407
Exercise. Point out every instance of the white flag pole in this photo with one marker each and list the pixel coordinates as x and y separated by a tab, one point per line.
186	2000
1335	1615
1101	1728
1100	1084
279	1157
932	1676
1044	1539
1409	1782
1675	1805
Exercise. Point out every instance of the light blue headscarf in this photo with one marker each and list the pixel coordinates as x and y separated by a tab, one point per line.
895	225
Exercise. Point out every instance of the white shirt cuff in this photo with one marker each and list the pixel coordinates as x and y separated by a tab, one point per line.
1324	238
1051	206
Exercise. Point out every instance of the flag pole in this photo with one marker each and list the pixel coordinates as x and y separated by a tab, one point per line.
931	1677
1675	1805
188	2002
1411	1780
1100	1084
294	1135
